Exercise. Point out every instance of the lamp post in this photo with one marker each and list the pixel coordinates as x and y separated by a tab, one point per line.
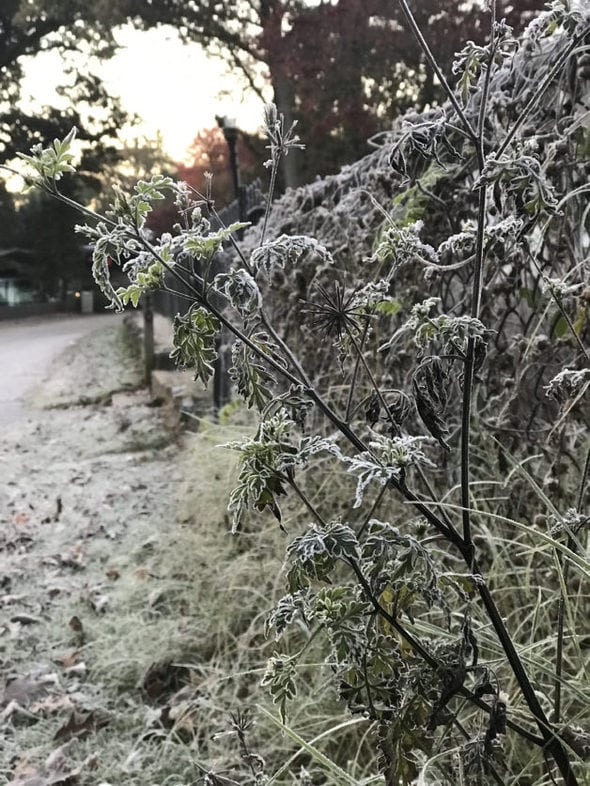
230	132
221	383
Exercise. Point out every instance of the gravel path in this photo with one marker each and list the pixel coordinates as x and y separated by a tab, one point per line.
27	349
87	478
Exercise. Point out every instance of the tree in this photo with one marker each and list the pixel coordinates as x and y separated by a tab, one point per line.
342	69
8	218
57	261
355	66
211	155
28	27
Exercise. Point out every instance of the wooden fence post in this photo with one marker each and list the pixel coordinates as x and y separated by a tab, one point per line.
148	337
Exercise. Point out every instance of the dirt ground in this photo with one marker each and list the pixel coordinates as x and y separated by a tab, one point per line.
86	483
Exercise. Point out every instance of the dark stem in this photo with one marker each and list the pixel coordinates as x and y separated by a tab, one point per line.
437	70
475	308
551	742
271	189
352	387
426	655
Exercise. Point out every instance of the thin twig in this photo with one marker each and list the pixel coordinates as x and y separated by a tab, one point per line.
437	70
352	386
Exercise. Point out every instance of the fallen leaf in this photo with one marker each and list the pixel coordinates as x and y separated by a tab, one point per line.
24	690
112	574
25	619
75	624
51	704
80	725
144	573
67	661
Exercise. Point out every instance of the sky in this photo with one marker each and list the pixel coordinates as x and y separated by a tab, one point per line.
180	89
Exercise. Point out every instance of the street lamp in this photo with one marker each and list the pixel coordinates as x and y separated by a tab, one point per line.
230	131
221	383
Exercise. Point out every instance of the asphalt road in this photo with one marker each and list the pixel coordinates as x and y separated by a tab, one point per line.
27	348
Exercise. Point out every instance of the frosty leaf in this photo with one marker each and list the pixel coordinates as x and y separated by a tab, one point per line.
568	384
387	461
145	280
452	331
317	551
194	342
468	64
101	275
430	386
522	178
242	292
154	188
203	246
400	246
277	253
345	618
130	294
285	611
280	678
465	584
310	446
264	460
250	375
375	295
52	162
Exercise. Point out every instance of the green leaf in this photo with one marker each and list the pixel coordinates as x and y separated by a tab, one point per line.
280	678
131	294
464	583
253	380
194	342
203	246
388	307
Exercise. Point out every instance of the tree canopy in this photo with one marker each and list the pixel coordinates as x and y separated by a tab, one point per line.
28	27
342	69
